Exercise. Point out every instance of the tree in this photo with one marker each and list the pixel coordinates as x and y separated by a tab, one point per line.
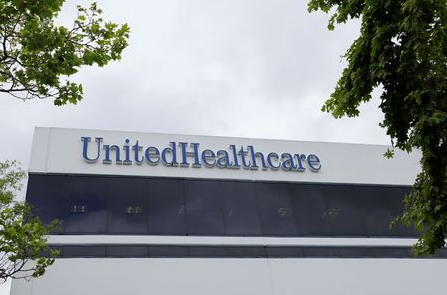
22	236
37	57
402	49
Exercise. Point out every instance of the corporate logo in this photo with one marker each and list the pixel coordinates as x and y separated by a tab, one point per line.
184	154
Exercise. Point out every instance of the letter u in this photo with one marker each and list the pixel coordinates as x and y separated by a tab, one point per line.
86	140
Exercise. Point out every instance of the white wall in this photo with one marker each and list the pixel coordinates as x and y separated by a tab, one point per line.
59	150
258	276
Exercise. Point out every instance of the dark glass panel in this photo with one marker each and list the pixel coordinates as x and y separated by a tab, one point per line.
87	204
343	210
240	251
379	205
47	196
392	252
354	252
246	251
309	206
207	251
440	253
204	208
320	252
127	206
166	207
240	208
47	251
80	202
168	251
281	252
398	193
276	210
84	251
127	251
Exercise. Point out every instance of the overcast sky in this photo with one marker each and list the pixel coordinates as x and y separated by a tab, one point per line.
231	68
247	68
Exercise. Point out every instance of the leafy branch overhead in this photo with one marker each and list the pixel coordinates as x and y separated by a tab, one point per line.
22	236
402	48
37	57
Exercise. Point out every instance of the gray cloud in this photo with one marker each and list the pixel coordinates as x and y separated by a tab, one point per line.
233	68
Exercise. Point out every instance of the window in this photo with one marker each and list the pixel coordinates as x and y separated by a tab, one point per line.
127	206
240	208
355	252
379	206
206	251
204	207
309	205
84	251
276	211
157	206
86	204
166	207
342	209
320	252
246	251
392	252
398	193
238	252
277	252
168	251
127	251
48	196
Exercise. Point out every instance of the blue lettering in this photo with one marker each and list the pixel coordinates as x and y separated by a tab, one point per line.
223	159
245	163
169	150
127	160
235	159
253	159
152	152
314	163
194	153
86	140
115	148
269	161
300	159
287	163
192	157
136	148
208	155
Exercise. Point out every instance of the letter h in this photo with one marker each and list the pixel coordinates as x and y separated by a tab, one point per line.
194	153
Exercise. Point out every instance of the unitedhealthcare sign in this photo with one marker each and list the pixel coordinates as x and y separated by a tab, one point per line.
184	154
127	153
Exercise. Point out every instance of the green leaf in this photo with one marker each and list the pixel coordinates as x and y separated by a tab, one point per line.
402	48
41	56
23	236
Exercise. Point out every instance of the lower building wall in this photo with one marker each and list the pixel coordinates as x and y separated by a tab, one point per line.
260	276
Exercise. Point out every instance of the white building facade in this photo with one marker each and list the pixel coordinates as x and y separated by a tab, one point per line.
170	214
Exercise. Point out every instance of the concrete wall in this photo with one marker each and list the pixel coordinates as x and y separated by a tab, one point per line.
58	150
167	276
